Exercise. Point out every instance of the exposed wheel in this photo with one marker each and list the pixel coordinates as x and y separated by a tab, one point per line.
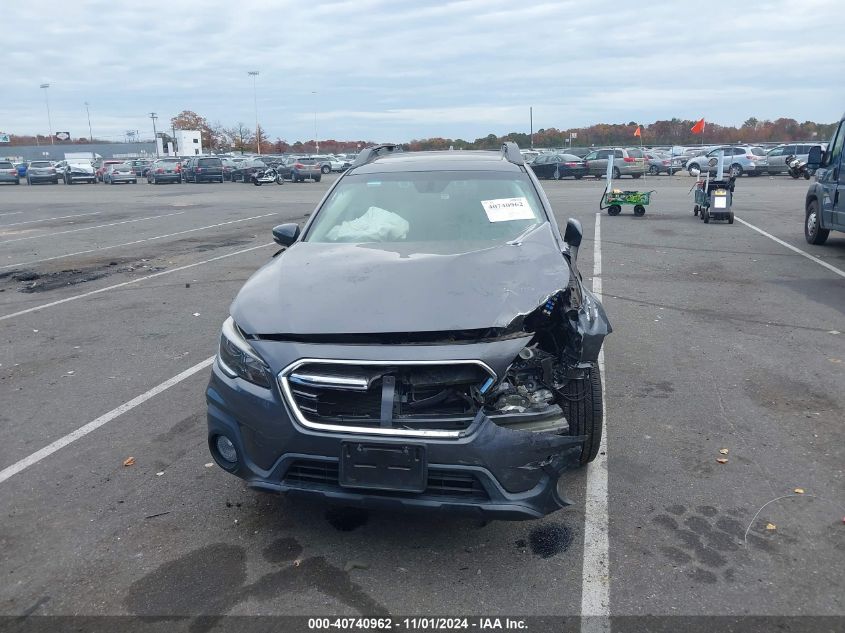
695	210
705	215
635	175
813	231
639	209
806	175
731	217
256	182
693	167
68	180
280	180
616	173
735	170
582	405
653	170
794	174
325	169
614	209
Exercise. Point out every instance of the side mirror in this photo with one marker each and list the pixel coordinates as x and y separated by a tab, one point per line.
573	235
285	234
814	158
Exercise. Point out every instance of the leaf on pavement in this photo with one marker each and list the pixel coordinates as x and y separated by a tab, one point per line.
771	526
129	461
799	491
722	460
723	451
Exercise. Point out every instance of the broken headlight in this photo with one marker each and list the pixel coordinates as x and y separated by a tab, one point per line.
237	358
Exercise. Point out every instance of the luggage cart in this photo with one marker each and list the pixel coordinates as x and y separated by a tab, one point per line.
613	199
714	198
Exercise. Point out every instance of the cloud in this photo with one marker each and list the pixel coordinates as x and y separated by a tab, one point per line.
382	70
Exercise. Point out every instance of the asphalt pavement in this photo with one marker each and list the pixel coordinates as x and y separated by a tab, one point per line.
726	345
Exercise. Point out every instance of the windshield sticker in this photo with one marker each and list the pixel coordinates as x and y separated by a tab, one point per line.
506	209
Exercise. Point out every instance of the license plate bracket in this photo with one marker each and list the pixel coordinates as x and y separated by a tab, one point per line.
383	466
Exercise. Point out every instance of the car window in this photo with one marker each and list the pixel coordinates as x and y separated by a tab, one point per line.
210	162
591	156
635	153
778	151
41	163
5	164
443	206
617	153
836	146
788	149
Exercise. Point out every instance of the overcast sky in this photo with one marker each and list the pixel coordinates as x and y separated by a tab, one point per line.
395	70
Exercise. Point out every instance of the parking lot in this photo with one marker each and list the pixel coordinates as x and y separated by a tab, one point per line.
111	301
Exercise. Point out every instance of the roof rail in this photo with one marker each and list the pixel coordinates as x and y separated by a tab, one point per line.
369	154
510	150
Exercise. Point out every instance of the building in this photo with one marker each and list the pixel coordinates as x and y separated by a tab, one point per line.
188	142
57	152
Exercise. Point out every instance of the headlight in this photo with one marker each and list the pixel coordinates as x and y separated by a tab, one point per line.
238	359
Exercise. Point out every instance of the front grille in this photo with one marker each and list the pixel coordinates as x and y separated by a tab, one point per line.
400	397
440	483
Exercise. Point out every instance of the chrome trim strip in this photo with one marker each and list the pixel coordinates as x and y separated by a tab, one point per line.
339	428
329	382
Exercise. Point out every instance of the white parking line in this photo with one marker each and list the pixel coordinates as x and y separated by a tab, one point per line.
44	306
595	587
61	217
833	269
82	431
146	239
12	213
90	228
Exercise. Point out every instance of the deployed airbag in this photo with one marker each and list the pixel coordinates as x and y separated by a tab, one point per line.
376	225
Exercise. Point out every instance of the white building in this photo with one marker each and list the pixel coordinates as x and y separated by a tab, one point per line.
188	142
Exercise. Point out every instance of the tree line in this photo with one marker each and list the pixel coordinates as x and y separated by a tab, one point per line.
242	138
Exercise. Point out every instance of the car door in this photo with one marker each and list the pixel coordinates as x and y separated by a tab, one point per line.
598	164
542	166
832	181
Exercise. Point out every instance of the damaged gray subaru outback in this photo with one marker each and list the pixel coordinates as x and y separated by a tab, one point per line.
425	341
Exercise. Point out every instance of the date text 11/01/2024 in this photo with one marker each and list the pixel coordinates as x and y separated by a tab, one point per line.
418	624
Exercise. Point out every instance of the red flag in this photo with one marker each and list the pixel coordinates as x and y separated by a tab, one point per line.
698	128
637	133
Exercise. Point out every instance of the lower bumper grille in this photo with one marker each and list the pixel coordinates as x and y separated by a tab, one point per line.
441	483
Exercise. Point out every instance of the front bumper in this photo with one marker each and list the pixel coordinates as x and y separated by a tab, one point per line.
43	177
492	471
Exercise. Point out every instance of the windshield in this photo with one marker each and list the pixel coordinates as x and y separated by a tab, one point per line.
41	163
428	207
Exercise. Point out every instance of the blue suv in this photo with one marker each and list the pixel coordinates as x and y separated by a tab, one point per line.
825	206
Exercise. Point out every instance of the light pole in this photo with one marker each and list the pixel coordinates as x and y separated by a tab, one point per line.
254	75
531	119
45	87
316	142
90	133
153	116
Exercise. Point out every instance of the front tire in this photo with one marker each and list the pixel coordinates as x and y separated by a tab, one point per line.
582	406
325	169
813	231
639	210
653	170
614	209
693	167
735	170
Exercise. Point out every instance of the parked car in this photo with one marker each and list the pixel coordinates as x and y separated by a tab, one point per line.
776	158
203	169
76	170
41	171
119	172
580	152
739	159
824	207
140	166
658	163
303	168
355	370
338	164
626	162
559	166
103	166
165	170
9	173
244	169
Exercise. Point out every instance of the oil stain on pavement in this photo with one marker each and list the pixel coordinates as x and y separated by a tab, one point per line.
550	539
208	582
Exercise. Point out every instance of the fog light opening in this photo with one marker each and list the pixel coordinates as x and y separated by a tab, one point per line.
226	450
